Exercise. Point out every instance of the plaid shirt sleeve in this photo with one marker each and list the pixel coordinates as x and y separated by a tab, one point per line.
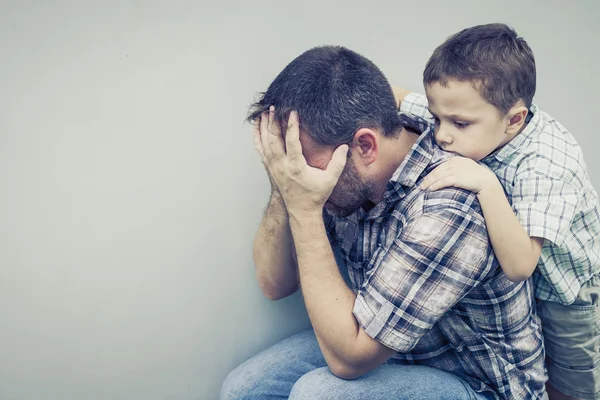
544	205
434	261
329	222
416	104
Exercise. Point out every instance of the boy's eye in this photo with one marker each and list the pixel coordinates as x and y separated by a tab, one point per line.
461	125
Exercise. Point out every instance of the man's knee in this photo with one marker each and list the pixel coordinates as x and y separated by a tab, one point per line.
272	372
239	384
314	384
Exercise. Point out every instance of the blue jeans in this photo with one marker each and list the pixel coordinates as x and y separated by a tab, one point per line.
295	369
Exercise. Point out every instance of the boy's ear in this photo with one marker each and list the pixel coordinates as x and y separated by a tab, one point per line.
516	119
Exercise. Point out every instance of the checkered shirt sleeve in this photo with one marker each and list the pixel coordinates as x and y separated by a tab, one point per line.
416	104
438	257
544	205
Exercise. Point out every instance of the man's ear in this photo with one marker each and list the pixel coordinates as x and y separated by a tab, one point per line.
365	146
516	119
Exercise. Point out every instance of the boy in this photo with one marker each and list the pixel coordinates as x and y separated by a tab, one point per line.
479	84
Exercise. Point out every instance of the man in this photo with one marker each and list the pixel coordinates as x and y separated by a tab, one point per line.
430	314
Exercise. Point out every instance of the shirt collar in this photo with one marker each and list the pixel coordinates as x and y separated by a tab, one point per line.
414	165
509	148
419	156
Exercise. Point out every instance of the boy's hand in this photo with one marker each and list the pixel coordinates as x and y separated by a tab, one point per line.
459	172
304	189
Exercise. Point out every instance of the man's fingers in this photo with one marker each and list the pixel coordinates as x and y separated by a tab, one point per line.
338	162
264	134
292	136
275	141
257	140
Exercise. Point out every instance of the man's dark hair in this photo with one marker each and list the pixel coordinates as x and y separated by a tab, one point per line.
335	92
497	61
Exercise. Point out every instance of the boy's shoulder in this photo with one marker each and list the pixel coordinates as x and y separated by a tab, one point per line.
544	146
545	132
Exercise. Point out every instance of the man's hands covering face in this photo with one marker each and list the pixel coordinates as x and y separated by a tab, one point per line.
303	188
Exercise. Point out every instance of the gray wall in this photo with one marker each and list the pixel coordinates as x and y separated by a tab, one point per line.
129	186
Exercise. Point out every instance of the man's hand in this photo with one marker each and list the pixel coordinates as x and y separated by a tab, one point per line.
304	189
258	146
459	172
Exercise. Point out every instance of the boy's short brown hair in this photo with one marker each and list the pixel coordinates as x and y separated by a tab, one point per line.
498	62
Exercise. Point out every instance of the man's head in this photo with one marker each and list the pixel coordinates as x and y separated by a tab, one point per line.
480	83
341	98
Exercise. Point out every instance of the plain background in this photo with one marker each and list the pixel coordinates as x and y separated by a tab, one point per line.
130	189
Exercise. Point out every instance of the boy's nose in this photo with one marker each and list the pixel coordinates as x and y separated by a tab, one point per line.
443	137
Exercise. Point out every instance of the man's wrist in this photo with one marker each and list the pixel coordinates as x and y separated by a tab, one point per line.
306	217
276	204
276	196
306	225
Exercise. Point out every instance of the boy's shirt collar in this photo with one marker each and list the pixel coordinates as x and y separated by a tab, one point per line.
509	148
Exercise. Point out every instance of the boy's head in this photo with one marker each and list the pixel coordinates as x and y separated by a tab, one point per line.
480	84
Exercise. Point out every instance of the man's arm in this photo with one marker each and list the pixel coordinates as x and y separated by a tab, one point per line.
276	270
417	281
348	350
273	250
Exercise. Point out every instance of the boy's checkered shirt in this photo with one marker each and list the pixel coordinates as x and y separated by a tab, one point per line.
545	178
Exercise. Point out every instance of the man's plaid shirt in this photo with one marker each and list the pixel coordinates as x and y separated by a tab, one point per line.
544	176
429	286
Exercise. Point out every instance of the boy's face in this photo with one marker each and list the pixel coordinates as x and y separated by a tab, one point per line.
465	123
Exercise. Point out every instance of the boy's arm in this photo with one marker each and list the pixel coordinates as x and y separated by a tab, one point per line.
399	95
412	103
517	253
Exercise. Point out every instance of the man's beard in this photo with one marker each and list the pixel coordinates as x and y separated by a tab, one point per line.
351	192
